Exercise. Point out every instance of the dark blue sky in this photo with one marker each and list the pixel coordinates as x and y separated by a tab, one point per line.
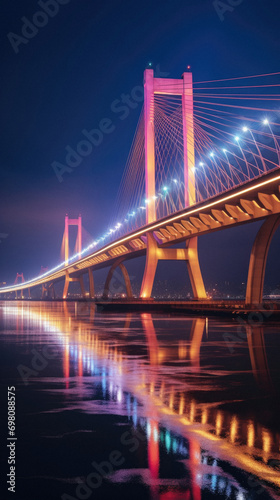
65	79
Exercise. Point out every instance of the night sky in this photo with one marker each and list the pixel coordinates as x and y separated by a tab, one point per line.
65	79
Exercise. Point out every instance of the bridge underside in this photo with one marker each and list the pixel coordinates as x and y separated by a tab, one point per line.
256	200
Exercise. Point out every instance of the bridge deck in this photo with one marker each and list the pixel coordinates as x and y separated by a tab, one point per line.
254	200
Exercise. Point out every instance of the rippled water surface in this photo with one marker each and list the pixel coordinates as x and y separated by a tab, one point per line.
140	406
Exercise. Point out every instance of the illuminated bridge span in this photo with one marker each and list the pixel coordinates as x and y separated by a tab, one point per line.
196	165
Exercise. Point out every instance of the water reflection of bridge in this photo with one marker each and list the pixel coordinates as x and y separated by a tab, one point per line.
176	420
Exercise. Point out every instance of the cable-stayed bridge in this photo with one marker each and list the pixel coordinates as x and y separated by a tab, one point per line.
205	157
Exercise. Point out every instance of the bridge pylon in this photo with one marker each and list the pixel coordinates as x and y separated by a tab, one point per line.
183	87
19	276
78	246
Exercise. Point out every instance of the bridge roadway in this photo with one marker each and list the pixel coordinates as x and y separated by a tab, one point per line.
255	200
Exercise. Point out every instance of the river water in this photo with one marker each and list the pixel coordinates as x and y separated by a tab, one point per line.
139	406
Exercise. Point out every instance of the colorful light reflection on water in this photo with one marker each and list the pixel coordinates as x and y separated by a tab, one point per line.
200	417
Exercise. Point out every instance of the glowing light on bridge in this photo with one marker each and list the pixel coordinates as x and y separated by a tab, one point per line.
214	133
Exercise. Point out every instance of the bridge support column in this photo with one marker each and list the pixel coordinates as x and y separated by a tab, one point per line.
69	279
46	288
120	265
189	254
150	267
91	283
66	286
193	266
258	258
